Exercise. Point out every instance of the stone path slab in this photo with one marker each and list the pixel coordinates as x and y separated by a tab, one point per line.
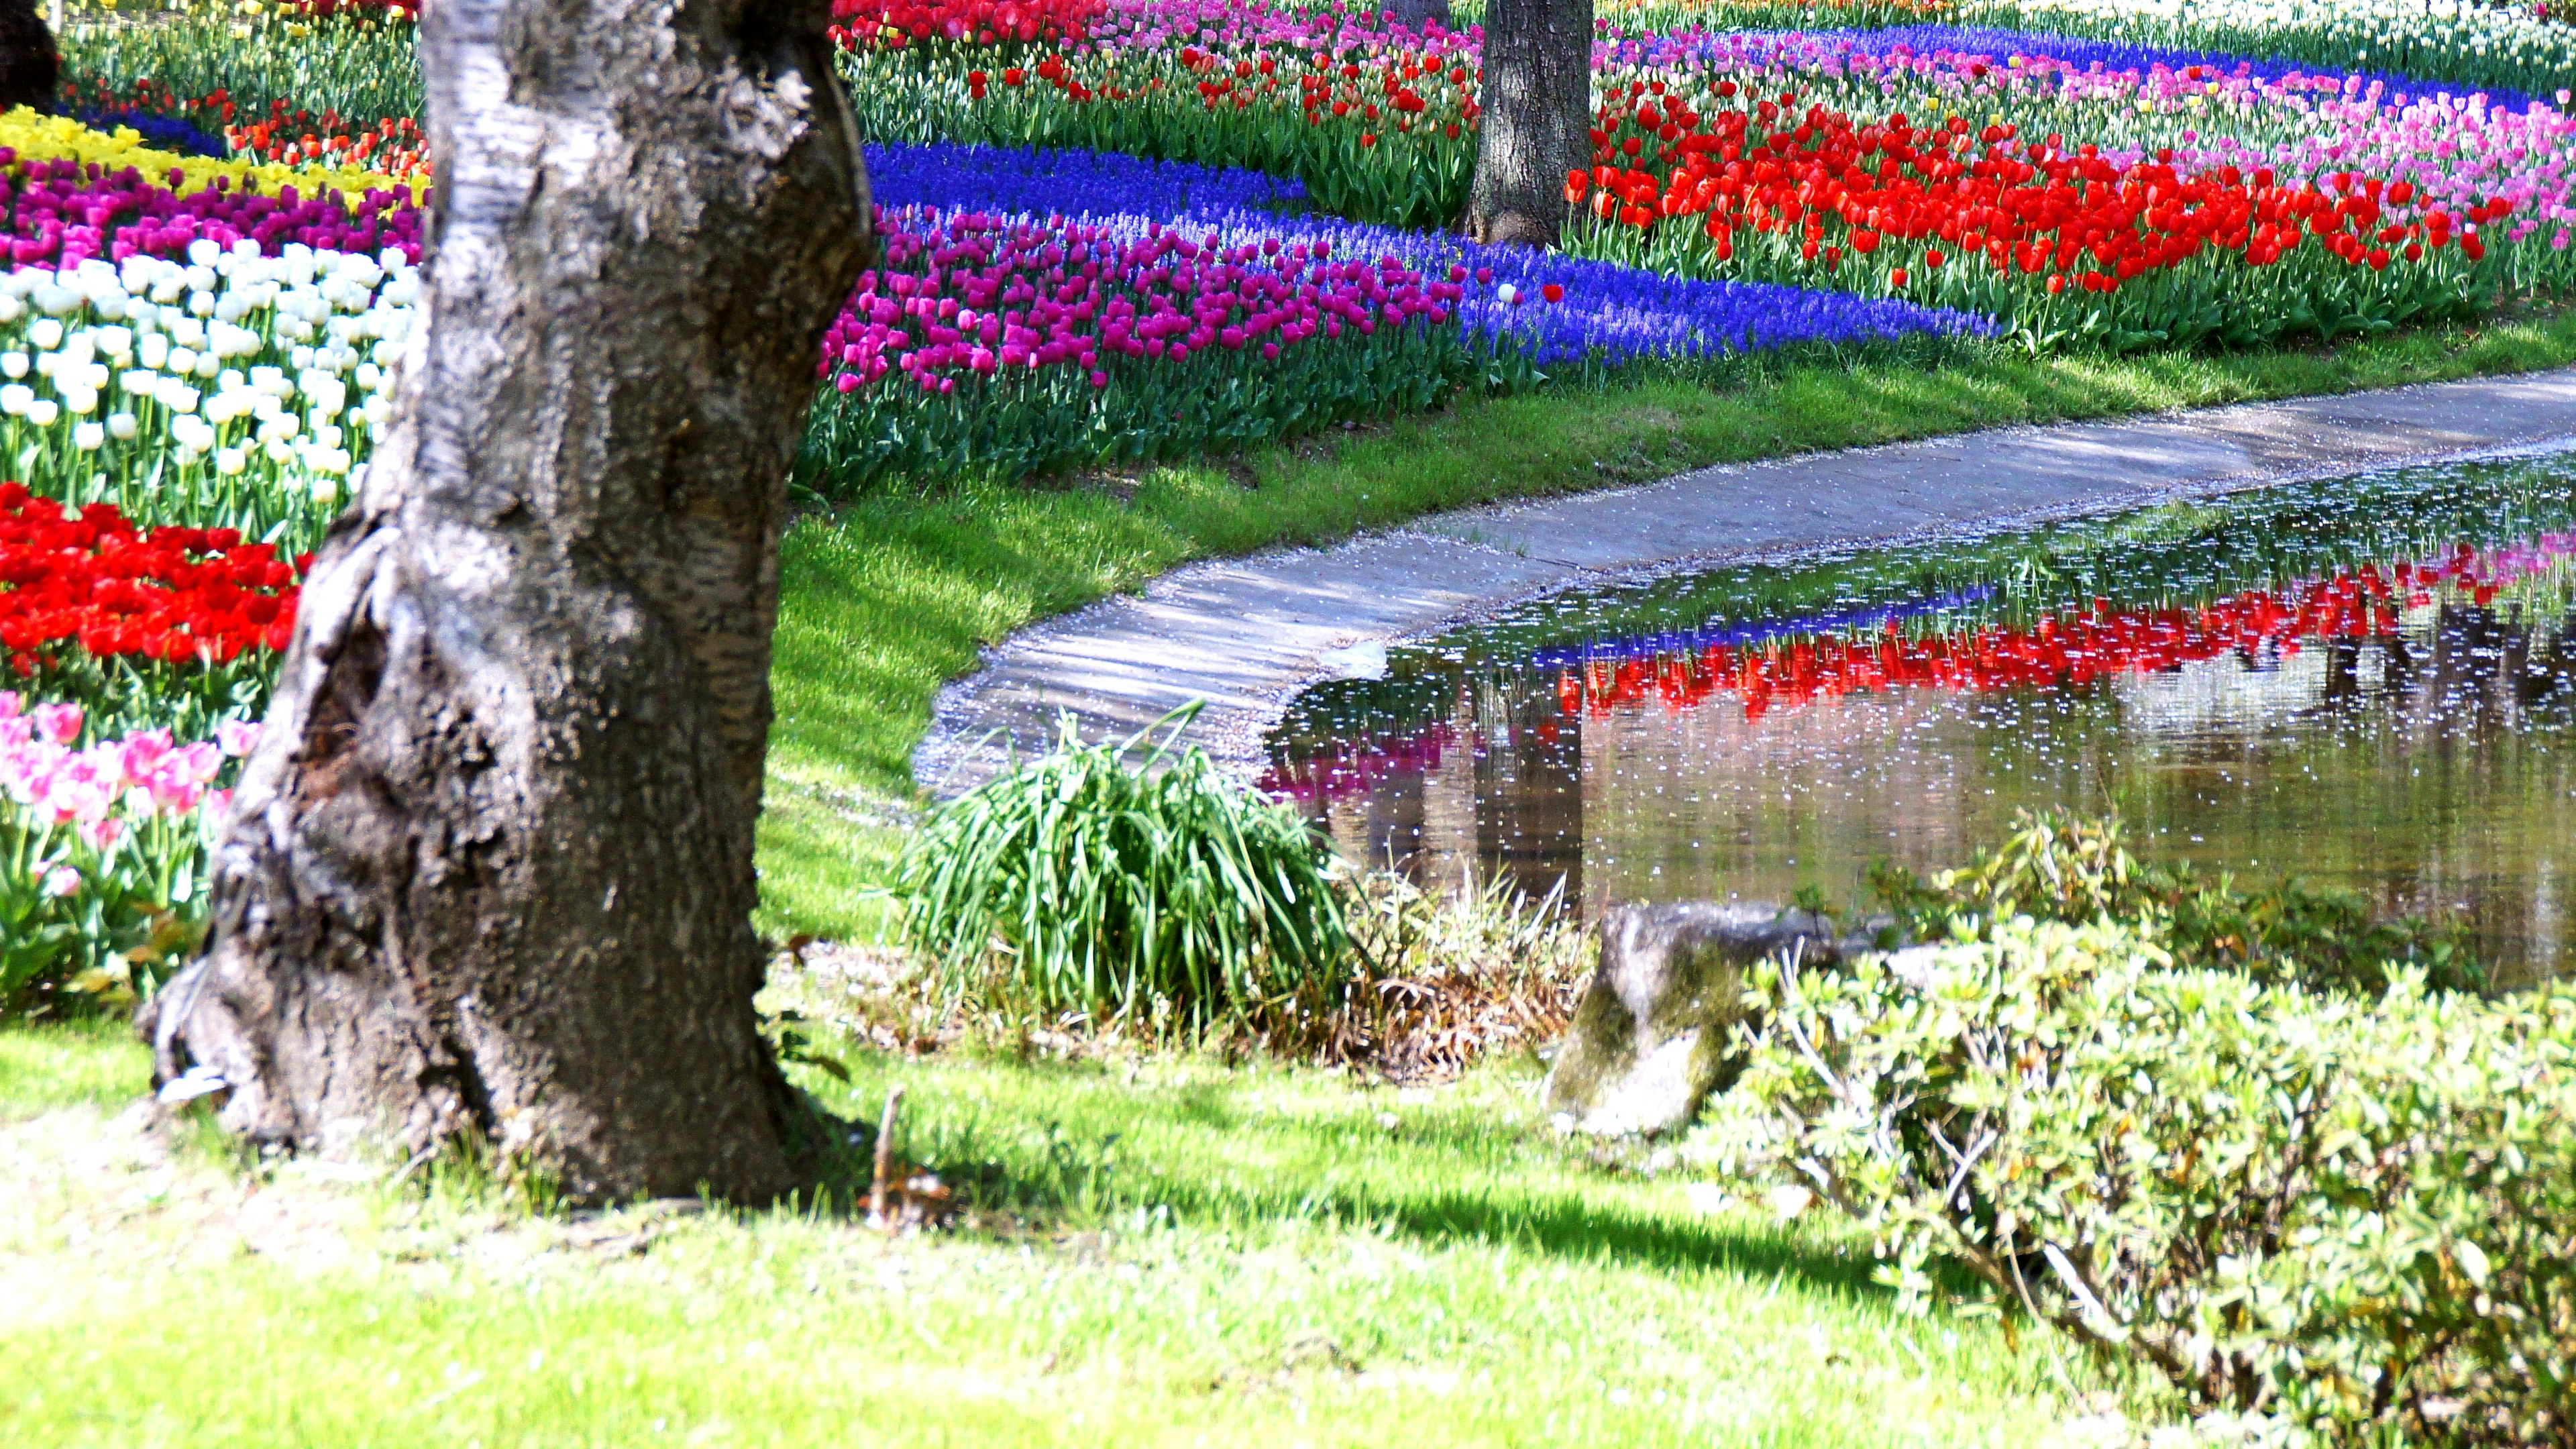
1245	635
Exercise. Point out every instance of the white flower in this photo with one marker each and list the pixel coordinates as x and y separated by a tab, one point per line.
183	359
80	398
326	490
15	397
229	461
280	451
88	437
203	251
14	364
121	427
153	350
43	411
46	333
1506	294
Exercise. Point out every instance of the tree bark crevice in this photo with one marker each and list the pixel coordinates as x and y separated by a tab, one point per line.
490	867
1535	127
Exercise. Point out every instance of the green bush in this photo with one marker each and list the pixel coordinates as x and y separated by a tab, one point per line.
1162	896
2353	1216
2057	866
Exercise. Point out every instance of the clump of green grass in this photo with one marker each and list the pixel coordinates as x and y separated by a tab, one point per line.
1126	885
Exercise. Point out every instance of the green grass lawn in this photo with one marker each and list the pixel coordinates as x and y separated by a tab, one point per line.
1171	1250
1200	1255
893	594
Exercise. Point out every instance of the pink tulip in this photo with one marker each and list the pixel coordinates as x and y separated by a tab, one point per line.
60	723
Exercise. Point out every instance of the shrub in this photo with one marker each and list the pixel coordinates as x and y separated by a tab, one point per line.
1162	896
2353	1216
2056	866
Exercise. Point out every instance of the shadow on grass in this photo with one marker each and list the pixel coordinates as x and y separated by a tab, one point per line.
1083	1149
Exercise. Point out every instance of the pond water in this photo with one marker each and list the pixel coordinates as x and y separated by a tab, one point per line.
2368	682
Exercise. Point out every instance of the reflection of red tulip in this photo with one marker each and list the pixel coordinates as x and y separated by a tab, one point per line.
2079	646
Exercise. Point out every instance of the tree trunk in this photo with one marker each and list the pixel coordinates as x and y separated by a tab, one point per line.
1410	15
1537	103
30	67
490	867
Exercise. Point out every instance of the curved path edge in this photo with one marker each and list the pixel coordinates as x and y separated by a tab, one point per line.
1246	635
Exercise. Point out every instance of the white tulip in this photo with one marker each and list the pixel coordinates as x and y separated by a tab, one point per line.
230	461
153	350
14	364
121	427
88	437
43	411
81	400
47	333
15	399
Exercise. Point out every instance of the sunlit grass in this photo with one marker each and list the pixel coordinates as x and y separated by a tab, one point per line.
1203	1254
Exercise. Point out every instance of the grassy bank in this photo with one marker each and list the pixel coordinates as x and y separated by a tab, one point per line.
892	594
1193	1255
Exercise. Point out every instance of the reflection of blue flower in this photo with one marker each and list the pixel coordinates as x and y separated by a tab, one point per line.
1609	315
164	133
1841	621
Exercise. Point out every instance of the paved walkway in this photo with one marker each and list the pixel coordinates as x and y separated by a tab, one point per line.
1247	634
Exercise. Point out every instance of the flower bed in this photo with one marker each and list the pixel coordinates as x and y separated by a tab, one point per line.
2179	197
1168	314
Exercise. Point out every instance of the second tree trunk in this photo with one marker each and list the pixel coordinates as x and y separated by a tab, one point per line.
1537	102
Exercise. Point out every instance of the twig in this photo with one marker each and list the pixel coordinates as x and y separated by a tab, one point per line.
885	1156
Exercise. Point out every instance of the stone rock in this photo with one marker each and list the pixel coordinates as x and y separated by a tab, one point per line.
1648	1041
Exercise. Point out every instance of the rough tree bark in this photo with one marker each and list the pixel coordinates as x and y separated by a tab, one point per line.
491	865
1537	103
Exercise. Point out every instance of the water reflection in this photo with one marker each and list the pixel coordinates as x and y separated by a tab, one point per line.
2368	683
